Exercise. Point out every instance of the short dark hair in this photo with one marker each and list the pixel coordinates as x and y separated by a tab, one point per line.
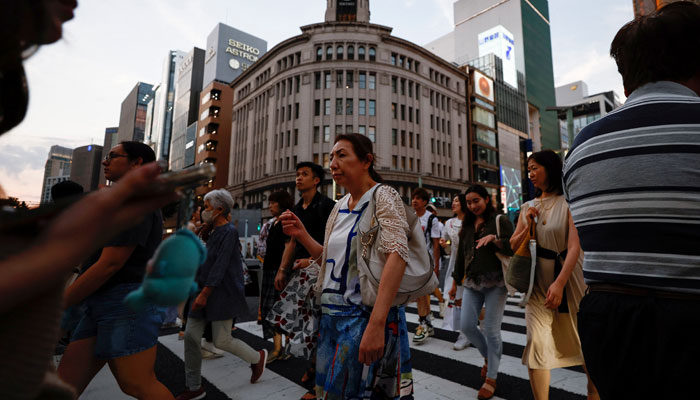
553	167
136	150
283	198
421	194
362	147
64	189
316	169
664	45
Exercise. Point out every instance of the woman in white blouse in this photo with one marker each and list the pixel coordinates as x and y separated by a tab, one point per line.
363	351
450	242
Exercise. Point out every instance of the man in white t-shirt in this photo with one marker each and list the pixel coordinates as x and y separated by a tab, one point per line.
431	229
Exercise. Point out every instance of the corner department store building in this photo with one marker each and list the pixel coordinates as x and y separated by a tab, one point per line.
348	75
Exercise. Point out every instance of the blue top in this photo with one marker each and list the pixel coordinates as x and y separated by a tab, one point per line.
222	270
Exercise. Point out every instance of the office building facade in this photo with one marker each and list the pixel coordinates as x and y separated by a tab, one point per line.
133	115
576	108
111	137
188	86
348	75
517	31
86	166
56	169
164	104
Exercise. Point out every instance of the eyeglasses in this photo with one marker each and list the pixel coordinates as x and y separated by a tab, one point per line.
111	156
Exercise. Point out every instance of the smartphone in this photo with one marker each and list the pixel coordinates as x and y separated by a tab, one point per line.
183	179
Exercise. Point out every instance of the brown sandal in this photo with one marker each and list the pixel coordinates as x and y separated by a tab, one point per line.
487	389
310	395
484	369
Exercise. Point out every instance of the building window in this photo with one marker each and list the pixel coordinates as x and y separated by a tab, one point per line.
394	84
338	130
410	89
486	137
410	114
288	139
326	133
329	53
297	83
372	108
339	53
361	110
328	79
348	128
403	138
403	112
393	137
316	134
432	145
410	139
348	106
319	53
338	106
296	110
417	89
349	79
351	52
372	133
418	166
372	81
394	161
403	163
403	87
418	141
417	116
362	130
410	164
393	58
326	161
317	107
296	138
317	77
327	107
372	54
393	110
339	79
315	158
363	80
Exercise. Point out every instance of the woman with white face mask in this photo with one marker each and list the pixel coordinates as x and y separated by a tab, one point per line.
221	297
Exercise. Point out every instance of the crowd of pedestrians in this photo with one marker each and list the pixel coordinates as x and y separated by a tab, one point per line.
616	275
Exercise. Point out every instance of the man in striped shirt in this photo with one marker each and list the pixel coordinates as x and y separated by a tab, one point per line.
632	180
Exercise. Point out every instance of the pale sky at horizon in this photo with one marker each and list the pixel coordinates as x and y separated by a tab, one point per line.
77	85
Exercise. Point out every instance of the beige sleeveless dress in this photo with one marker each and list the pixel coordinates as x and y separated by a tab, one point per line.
552	337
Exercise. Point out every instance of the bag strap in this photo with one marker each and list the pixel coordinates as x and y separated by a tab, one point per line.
498	226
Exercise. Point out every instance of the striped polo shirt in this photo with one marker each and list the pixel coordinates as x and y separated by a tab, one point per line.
632	180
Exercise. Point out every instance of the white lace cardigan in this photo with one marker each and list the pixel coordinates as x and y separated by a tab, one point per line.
393	235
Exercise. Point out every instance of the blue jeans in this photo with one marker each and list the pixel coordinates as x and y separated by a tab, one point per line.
489	343
119	330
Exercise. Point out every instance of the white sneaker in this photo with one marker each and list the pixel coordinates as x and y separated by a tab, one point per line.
208	346
461	342
443	306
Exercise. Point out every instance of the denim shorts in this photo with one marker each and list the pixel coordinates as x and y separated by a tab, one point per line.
119	331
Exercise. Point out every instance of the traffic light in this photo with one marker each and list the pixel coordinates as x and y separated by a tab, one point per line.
432	199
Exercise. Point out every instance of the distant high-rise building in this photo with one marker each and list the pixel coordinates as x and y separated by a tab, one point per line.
110	141
188	87
132	119
164	104
516	31
57	169
646	7
86	166
573	98
229	53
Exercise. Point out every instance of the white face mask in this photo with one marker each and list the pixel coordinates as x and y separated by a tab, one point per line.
208	216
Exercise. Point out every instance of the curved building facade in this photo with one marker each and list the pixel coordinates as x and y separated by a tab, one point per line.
339	77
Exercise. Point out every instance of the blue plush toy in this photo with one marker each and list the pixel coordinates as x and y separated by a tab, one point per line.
170	273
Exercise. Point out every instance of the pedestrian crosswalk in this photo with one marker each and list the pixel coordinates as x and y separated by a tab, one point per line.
439	371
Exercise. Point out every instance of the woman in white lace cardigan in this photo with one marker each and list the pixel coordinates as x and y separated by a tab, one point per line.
362	351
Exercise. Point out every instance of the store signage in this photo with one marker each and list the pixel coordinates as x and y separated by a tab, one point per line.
483	85
499	41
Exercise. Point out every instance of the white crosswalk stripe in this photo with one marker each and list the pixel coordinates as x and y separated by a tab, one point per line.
230	374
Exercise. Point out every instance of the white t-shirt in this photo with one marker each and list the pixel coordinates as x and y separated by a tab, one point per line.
434	233
341	285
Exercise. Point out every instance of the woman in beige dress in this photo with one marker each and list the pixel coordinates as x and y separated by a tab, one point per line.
550	314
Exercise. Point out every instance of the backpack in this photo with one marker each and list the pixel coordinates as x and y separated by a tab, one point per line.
418	279
428	231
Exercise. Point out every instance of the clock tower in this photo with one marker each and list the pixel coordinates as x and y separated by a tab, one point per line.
347	11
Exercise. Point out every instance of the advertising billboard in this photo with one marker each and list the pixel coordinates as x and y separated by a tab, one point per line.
229	53
499	41
483	85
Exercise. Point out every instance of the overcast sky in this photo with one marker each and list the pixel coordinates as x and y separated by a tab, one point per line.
77	85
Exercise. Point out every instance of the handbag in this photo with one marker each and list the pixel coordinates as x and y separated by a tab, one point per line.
504	259
521	269
418	279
